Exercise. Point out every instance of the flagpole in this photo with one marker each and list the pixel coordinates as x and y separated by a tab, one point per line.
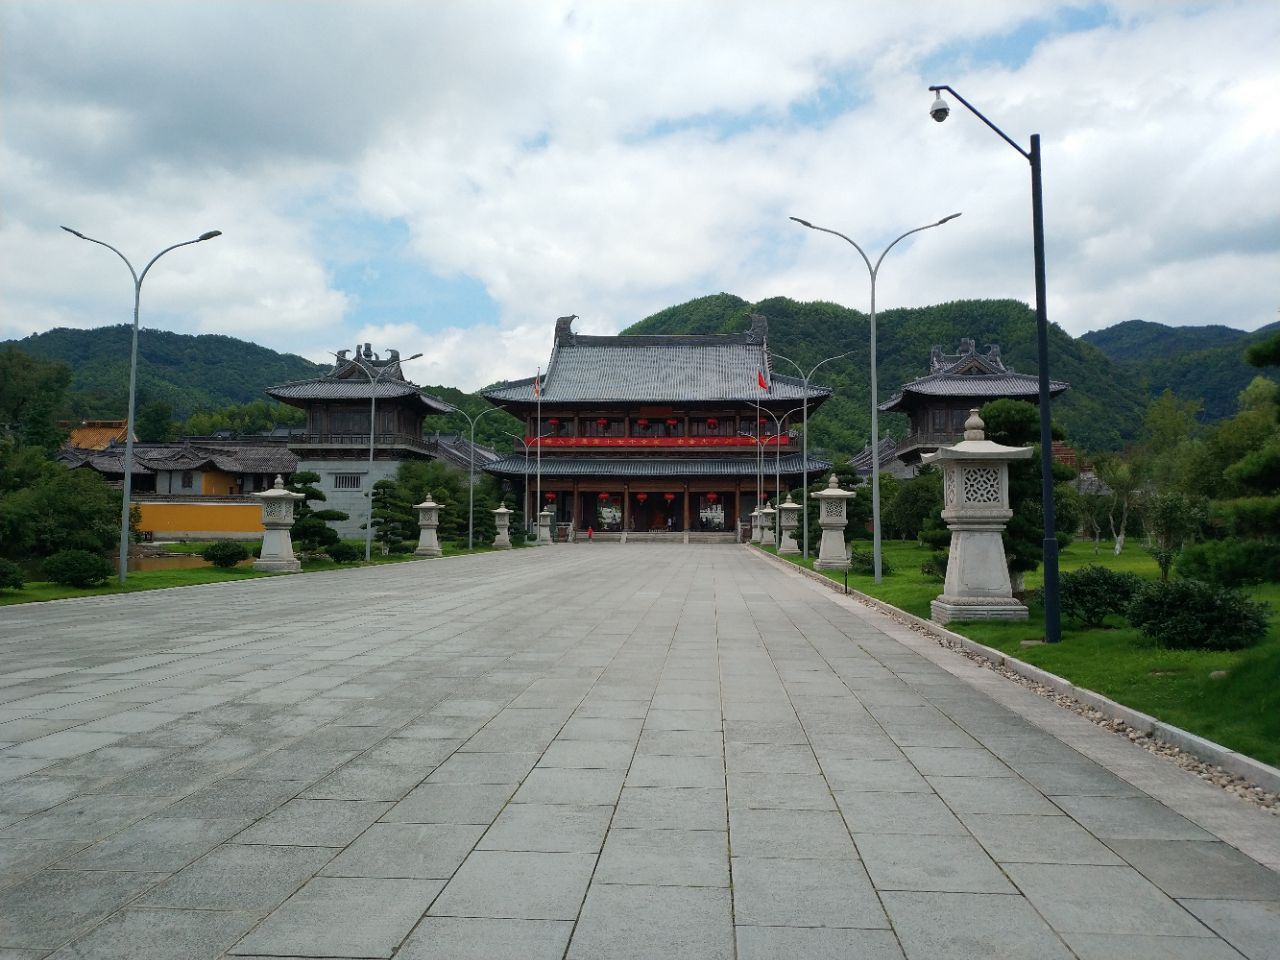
537	392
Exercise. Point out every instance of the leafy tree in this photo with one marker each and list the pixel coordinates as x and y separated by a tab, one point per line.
1265	353
76	568
1122	480
311	530
243	419
1172	520
914	502
64	509
394	519
32	398
1016	423
154	422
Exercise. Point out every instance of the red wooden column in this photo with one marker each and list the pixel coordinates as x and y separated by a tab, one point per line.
686	506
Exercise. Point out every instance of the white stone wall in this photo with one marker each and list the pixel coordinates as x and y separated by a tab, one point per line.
354	503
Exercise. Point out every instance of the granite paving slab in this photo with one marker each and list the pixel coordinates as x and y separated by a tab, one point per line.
342	917
615	752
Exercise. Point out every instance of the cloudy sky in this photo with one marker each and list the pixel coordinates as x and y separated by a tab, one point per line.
449	177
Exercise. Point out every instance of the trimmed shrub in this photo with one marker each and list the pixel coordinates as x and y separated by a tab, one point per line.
404	546
11	577
225	553
343	552
1090	594
76	568
1231	563
863	562
936	566
1194	615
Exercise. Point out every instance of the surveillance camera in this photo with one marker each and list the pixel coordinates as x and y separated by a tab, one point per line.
939	111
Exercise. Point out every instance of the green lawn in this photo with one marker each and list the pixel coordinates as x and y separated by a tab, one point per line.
1241	711
36	591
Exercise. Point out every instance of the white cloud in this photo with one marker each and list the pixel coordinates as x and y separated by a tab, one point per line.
610	159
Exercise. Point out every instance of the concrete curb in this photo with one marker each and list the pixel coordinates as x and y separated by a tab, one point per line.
1254	771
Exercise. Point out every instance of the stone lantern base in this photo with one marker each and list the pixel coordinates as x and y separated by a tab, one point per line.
944	609
277	553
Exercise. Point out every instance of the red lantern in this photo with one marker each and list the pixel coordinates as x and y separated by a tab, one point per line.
764	419
602	421
668	497
712	497
603	496
642	423
712	423
548	497
672	421
553	422
642	497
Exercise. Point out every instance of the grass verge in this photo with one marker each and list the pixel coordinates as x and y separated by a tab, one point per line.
1240	711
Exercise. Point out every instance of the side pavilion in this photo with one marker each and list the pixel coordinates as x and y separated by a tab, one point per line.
656	434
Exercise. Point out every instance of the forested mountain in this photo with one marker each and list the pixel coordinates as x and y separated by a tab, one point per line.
1196	363
189	373
1101	411
1143	340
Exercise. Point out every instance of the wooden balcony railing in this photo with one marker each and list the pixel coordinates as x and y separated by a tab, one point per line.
361	441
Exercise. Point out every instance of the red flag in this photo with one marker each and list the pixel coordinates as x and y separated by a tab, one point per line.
764	384
537	388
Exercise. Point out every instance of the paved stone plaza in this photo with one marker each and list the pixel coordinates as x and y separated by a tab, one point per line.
589	751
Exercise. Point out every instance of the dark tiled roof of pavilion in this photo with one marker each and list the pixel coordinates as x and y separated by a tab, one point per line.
970	374
658	369
153	457
348	380
652	466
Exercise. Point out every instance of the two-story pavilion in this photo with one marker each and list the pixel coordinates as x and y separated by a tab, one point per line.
939	402
335	443
656	433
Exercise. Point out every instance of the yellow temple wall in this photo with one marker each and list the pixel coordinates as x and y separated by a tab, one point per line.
201	521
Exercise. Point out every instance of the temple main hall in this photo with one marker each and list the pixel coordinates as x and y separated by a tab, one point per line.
656	435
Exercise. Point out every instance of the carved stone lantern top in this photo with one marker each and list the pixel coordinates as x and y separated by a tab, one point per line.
976	446
502	508
833	491
278	492
427	504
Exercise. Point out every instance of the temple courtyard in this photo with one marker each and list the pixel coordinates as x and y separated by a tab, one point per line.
590	751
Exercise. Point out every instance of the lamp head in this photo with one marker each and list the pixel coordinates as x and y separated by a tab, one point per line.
951	216
205	236
414	357
940	109
76	233
803	223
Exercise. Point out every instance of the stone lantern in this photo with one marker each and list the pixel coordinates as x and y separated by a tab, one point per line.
975	506
428	521
766	524
788	520
502	520
277	517
833	518
755	525
544	527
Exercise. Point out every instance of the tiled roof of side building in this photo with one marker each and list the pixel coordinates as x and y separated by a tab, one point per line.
652	466
654	369
351	379
1009	384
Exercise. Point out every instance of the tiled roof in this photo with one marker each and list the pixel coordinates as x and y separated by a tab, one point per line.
1008	384
652	467
152	457
653	369
350	380
97	434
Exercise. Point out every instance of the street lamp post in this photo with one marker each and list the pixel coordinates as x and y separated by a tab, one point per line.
777	457
373	399
471	473
133	380
875	399
525	492
804	465
940	111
